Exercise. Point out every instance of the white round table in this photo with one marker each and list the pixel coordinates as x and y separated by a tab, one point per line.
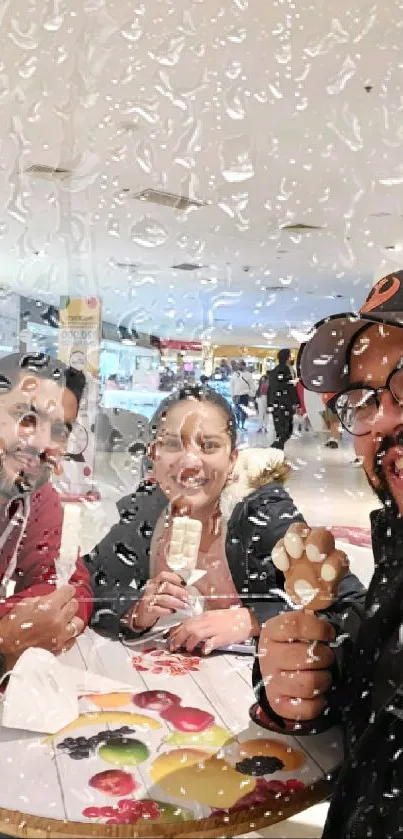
186	764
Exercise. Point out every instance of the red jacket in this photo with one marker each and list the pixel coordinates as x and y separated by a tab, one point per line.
36	535
301	397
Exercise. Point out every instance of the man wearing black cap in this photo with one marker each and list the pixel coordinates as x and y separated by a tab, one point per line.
356	361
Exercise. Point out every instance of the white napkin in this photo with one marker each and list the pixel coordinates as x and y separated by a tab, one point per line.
42	694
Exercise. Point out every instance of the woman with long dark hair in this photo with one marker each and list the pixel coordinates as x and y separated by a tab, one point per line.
243	509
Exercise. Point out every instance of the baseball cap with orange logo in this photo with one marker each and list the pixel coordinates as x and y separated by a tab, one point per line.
323	361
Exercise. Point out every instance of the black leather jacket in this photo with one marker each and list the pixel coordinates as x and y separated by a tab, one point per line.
119	565
368	699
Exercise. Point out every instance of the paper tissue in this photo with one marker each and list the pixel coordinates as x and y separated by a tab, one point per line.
42	694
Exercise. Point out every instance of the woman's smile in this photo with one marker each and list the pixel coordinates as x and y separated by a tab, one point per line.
188	479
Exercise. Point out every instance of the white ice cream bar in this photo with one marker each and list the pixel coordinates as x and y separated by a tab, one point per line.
69	545
185	543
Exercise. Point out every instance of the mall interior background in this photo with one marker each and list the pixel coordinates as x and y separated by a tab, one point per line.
186	185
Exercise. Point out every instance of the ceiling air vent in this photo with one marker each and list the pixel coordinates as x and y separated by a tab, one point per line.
301	228
187	266
168	199
50	173
137	268
129	266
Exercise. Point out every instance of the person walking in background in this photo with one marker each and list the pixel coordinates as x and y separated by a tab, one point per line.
303	421
112	382
261	400
333	426
242	388
282	398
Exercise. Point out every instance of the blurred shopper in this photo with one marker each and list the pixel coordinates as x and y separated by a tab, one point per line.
333	426
303	421
242	389
261	401
282	398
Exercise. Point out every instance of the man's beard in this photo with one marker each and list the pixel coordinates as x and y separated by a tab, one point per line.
381	487
22	483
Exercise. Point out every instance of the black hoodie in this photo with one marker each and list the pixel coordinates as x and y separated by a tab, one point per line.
368	700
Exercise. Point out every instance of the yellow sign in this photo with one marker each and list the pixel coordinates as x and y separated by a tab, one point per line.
80	333
79	342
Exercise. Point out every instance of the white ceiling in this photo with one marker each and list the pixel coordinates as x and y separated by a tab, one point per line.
258	109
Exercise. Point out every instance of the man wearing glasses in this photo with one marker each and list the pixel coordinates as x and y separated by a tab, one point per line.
356	362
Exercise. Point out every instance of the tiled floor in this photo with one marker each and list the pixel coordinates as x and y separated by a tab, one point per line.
307	825
328	490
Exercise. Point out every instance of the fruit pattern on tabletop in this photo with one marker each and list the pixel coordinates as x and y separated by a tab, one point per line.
161	662
197	761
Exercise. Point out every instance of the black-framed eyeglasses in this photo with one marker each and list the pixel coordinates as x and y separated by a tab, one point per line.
357	407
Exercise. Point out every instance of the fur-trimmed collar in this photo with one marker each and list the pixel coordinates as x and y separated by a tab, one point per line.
254	468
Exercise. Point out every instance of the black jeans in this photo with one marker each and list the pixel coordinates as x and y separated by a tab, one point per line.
282	418
240	414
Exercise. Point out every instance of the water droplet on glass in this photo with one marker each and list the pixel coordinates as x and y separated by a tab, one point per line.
337	35
169	51
348	128
235	158
133	33
237	36
149	233
345	73
144	156
24	40
234	70
146	109
233	103
367	26
53	24
28	68
112	228
188	144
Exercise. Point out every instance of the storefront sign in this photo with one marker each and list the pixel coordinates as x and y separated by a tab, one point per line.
181	346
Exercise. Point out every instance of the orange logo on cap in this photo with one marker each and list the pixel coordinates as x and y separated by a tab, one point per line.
326	397
381	292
